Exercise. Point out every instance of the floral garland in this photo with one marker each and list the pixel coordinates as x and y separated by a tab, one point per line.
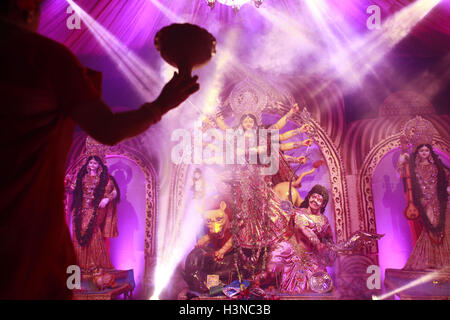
84	240
98	193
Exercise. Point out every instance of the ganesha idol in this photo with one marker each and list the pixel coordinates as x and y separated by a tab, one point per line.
212	253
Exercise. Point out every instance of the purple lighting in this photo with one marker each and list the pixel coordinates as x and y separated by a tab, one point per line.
127	250
321	53
388	195
395	246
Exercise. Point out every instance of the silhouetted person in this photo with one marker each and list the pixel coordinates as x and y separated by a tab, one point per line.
44	92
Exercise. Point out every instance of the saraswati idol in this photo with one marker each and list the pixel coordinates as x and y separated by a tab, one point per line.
426	184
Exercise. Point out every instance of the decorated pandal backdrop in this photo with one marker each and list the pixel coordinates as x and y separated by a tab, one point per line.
161	202
373	199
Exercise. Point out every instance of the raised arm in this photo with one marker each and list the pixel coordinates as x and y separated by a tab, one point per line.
296	144
289	134
79	99
97	119
282	122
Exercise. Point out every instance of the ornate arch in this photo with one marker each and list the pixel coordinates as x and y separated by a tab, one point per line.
177	185
365	194
126	150
337	181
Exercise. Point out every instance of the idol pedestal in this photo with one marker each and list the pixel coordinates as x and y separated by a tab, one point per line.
89	291
413	285
332	295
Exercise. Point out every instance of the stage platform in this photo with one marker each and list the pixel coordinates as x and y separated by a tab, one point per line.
125	287
418	285
184	295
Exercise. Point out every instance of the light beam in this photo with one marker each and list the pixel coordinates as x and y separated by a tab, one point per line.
410	285
142	77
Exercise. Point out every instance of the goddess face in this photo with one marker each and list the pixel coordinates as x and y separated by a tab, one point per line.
316	202
424	152
93	165
248	123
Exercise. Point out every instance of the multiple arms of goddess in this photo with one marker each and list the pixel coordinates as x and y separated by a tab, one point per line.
291	133
282	122
278	125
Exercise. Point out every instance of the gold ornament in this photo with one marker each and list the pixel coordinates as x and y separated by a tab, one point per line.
418	131
95	148
248	97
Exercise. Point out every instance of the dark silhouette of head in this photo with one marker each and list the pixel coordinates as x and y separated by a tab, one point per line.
24	13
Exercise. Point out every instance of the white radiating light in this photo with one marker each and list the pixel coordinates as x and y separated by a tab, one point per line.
365	53
167	12
407	286
143	78
234	2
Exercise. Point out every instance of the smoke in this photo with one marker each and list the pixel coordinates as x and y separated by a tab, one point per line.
284	45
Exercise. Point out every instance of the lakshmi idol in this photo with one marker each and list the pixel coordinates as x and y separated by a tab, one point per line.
428	179
95	217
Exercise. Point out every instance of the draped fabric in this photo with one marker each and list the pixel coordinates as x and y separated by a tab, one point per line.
433	31
135	22
95	254
297	259
429	253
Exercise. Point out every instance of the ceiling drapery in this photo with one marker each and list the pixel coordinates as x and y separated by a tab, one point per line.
135	22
